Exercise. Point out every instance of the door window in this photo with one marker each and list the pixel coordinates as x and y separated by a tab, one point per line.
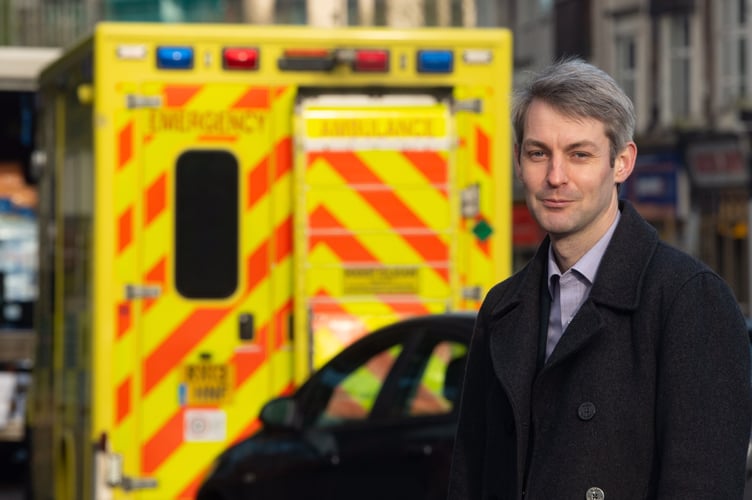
206	224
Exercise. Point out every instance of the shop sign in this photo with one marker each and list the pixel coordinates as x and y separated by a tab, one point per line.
716	164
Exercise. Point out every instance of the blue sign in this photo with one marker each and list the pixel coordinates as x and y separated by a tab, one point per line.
654	180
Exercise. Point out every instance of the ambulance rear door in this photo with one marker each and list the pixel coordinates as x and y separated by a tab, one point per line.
200	342
376	214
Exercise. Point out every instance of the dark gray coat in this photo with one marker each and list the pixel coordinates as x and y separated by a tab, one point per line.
646	396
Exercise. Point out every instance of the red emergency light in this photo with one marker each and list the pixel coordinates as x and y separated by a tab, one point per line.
371	60
243	58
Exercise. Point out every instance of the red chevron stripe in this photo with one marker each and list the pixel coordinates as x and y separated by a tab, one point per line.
156	196
123	400
283	239
125	229
125	145
258	182
161	445
431	164
258	265
180	342
158	273
482	146
283	157
254	98
179	95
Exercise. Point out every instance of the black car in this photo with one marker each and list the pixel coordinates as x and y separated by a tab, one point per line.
375	422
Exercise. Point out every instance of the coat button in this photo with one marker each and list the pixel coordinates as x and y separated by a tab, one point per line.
586	411
595	494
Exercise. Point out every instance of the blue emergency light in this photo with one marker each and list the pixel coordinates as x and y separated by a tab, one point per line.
435	61
175	57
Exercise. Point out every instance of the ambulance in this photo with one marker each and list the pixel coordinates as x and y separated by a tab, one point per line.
225	207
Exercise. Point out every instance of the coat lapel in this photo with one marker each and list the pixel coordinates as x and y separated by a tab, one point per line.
586	325
617	284
513	333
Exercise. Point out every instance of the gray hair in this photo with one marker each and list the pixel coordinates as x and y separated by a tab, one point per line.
578	90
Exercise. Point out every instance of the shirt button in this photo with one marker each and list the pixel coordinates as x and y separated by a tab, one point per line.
586	411
595	494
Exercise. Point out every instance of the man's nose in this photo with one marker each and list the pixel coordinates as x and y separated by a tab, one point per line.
557	172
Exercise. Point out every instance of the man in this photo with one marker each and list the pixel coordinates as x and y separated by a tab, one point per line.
612	366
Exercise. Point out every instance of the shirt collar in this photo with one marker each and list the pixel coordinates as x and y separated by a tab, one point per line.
587	265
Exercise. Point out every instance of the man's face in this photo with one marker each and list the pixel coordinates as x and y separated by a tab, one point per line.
564	166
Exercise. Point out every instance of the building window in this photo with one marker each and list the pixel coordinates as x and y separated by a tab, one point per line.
733	56
679	76
626	64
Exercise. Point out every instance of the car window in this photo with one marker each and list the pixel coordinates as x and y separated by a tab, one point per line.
351	393
432	381
439	383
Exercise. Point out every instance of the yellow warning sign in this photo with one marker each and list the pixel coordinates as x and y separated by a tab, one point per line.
208	383
381	281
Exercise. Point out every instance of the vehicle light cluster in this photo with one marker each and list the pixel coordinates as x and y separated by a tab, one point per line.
428	61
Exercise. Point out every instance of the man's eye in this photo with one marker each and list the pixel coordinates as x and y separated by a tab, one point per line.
536	154
581	155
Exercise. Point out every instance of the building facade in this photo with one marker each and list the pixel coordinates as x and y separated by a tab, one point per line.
686	64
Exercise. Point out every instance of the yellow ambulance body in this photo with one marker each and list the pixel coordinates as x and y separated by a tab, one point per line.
224	207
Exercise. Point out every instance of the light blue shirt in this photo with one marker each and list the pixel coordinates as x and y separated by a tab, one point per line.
570	289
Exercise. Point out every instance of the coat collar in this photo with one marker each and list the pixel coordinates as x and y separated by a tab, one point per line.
617	286
620	274
624	265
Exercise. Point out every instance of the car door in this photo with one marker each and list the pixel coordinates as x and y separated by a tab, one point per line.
384	412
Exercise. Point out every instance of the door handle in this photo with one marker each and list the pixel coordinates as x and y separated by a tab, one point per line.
245	326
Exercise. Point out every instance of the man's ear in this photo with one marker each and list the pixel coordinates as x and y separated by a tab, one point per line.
625	162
